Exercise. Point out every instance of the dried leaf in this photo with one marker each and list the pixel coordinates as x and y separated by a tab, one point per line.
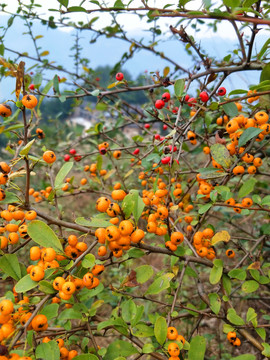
19	79
130	280
254	266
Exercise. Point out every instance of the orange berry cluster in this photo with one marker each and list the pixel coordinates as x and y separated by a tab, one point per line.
173	348
40	195
233	339
10	231
4	171
202	243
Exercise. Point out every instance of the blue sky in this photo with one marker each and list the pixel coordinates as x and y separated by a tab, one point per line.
108	51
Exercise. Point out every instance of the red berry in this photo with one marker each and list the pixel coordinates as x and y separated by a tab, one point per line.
136	151
204	96
77	158
147	126
159	104
166	160
221	91
165	127
166	97
72	151
175	110
66	157
31	73
174	148
97	79
119	76
102	151
162	138
31	87
191	101
186	97
157	137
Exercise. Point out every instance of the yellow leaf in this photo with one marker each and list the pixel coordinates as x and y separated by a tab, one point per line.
85	69
256	265
128	173
45	53
174	208
109	174
175	270
112	85
166	71
38	37
131	47
2	128
19	79
185	200
220	236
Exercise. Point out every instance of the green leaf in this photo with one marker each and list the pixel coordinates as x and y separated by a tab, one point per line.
244	357
248	134
234	318
50	311
69	314
221	155
266	350
230	108
179	86
144	273
10	198
148	348
250	286
231	3
239	274
25	284
119	4
25	150
94	222
46	287
251	314
9	264
95	92
49	350
2	49
197	348
143	330
120	348
160	330
88	261
76	9
63	2
227	284
86	357
62	173
159	284
204	208
138	316
261	332
266	200
263	48
215	302
247	187
129	310
133	204
216	272
237	92
265	74
43	235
